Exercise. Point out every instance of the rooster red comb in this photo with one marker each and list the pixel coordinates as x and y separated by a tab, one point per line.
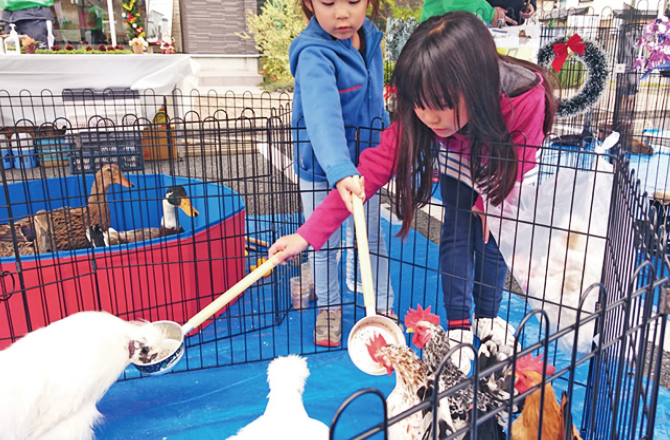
529	363
413	317
374	344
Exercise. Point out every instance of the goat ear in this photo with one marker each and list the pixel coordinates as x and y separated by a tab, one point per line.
374	345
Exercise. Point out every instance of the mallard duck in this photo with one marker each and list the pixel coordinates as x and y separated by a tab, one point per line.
69	225
175	198
96	236
41	238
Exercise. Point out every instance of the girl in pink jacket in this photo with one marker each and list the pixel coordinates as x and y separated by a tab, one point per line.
478	118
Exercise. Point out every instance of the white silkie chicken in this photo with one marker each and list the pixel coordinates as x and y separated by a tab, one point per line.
285	416
52	378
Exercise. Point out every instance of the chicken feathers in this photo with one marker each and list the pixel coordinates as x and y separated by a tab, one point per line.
412	387
527	425
58	374
285	416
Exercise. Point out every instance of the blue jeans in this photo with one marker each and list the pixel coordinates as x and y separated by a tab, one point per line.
469	267
324	263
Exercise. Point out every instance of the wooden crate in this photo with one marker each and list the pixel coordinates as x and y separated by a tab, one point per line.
158	143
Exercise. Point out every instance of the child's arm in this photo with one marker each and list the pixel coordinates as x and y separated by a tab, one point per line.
377	165
323	114
481	8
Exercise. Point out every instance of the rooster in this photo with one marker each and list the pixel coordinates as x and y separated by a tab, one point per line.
412	386
433	340
285	416
555	417
53	377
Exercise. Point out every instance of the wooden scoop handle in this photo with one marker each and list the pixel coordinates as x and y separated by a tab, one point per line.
231	294
364	254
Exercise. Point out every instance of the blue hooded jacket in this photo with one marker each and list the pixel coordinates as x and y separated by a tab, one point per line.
335	92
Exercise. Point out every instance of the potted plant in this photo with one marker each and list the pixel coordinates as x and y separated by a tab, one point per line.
28	44
138	44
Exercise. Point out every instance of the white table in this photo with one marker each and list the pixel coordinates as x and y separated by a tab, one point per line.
31	85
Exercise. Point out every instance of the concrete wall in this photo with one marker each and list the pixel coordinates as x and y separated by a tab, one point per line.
209	26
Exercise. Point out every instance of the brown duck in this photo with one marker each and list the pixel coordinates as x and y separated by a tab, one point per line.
68	226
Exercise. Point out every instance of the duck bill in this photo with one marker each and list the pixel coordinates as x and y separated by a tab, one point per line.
125	182
186	206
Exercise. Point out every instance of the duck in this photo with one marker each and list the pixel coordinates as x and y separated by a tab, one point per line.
96	236
175	198
68	226
40	242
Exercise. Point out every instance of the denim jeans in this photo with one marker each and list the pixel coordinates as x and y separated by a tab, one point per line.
324	263
469	267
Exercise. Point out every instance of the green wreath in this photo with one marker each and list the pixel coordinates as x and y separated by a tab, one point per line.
597	71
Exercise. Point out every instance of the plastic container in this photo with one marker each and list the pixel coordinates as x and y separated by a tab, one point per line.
301	293
12	43
306	275
23	150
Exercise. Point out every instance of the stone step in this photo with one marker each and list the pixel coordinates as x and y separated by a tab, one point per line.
229	78
227	70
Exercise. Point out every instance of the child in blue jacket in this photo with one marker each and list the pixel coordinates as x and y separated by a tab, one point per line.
339	80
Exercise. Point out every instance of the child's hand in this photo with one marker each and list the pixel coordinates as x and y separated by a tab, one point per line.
346	187
289	246
485	225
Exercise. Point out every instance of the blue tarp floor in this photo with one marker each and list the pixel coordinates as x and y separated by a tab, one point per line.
215	403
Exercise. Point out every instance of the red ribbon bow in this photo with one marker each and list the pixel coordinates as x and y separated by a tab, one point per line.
562	50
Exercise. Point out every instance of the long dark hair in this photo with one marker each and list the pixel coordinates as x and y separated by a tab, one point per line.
448	58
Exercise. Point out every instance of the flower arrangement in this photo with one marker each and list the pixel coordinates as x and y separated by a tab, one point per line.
138	41
28	44
138	44
654	47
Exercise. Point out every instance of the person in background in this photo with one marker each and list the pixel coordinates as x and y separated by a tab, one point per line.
518	10
494	16
96	15
30	17
481	116
339	83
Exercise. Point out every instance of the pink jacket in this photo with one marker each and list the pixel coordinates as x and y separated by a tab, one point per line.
525	118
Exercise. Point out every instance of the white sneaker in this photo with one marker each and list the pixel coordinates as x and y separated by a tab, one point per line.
500	332
462	358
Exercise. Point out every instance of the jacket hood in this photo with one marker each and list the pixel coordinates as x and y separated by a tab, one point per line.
516	80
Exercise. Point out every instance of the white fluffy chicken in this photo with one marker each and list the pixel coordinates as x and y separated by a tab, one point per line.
52	378
285	416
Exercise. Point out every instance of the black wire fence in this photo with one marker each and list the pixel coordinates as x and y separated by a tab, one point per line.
587	251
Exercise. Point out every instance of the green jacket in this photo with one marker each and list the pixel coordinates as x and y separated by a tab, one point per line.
481	8
17	5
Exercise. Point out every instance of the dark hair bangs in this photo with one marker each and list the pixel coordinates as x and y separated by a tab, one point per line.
427	81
